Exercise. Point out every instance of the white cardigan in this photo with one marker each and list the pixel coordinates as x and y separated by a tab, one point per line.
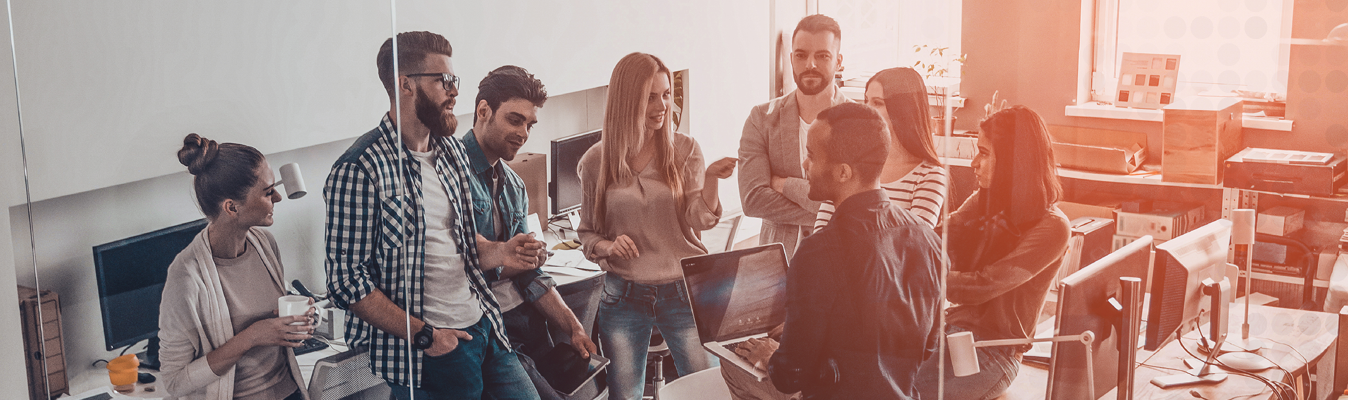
194	320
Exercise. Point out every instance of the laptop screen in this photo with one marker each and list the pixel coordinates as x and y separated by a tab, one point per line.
737	293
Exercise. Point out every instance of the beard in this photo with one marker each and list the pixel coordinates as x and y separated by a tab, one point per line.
811	90
433	116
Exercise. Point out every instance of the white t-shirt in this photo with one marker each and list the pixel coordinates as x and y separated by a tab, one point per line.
446	300
804	133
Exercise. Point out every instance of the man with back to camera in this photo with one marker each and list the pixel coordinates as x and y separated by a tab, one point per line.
508	100
403	254
863	293
772	185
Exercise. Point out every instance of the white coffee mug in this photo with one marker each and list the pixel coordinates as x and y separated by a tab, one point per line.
296	305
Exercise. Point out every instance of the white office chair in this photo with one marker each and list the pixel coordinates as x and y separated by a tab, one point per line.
346	376
706	384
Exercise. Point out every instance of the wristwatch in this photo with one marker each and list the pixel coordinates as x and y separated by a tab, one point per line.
424	338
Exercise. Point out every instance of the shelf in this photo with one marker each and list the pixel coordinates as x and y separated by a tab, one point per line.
859	95
1260	276
1150	179
1111	112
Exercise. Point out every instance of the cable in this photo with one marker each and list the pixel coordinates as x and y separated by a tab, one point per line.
1304	360
1280	389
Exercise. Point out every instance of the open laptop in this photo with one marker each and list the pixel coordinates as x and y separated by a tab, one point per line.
736	296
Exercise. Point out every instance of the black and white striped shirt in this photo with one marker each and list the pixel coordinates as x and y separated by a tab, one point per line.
922	192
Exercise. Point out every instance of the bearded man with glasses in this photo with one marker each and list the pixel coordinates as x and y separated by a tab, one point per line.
402	252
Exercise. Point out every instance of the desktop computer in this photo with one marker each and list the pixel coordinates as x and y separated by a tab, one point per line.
131	274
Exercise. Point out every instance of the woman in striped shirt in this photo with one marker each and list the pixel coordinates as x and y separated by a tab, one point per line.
913	177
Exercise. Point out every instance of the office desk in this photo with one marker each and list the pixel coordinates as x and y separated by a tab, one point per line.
1312	334
151	390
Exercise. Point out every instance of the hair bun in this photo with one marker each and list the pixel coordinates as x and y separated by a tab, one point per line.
197	153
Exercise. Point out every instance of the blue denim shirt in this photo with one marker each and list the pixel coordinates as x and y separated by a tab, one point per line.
532	284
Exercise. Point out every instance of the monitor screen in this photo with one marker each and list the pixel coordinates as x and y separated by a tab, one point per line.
131	274
564	187
1084	305
1177	275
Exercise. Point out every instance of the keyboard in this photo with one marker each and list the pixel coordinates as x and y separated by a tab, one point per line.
733	346
310	345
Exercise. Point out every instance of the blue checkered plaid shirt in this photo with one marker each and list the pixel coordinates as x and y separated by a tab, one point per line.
376	232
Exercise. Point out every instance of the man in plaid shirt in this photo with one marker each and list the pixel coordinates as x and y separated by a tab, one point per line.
403	254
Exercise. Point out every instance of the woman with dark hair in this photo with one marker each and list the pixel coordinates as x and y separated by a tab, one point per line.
1006	244
647	196
219	335
913	177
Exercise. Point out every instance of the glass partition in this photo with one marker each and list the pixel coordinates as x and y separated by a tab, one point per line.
111	91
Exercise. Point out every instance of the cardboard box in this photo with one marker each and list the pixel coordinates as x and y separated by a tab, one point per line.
533	170
1098	150
1279	221
1161	224
1090	206
1198	135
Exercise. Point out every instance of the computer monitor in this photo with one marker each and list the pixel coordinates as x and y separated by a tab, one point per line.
564	187
1090	299
131	274
1176	279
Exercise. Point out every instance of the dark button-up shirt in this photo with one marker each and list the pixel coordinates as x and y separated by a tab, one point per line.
864	293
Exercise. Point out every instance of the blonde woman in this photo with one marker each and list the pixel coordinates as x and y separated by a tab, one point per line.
646	198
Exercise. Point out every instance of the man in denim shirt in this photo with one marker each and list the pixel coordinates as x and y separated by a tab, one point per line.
506	110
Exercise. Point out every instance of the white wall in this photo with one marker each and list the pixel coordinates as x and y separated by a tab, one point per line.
105	81
111	88
68	227
13	373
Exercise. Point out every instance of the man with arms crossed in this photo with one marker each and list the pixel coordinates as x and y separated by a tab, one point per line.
772	185
508	100
864	292
402	251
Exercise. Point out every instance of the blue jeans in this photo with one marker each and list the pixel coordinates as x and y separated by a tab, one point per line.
482	368
627	312
997	366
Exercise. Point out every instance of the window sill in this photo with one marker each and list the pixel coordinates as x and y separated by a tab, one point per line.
1111	112
859	95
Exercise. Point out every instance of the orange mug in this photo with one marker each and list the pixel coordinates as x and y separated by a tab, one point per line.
122	372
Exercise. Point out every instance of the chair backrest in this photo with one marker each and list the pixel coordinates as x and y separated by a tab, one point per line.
346	376
582	297
701	385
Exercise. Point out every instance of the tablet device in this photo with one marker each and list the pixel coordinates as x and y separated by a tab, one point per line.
566	371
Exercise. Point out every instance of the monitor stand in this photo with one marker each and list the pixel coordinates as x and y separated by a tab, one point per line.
1220	294
1245	361
149	359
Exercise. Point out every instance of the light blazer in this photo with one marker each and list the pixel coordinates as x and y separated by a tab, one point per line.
194	320
771	146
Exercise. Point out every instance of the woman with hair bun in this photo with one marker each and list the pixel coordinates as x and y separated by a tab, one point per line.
219	335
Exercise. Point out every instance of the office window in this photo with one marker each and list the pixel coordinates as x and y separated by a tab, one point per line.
1224	45
880	34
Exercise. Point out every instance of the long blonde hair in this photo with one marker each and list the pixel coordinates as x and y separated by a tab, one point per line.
624	130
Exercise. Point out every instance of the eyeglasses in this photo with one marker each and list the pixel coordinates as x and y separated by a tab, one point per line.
448	80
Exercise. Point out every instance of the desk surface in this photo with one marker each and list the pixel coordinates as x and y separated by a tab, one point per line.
1310	333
